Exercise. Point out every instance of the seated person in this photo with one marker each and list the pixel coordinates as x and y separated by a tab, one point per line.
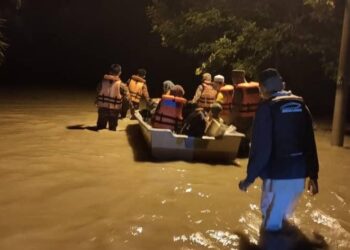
216	126
195	123
168	114
167	86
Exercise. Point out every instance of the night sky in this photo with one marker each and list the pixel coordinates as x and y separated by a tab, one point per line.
71	43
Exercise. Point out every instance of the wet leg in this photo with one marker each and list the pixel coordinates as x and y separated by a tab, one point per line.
102	118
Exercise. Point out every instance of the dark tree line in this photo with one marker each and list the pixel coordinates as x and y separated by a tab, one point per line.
250	34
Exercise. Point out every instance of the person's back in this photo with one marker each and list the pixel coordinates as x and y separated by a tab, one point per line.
109	99
168	114
195	124
138	90
283	151
206	93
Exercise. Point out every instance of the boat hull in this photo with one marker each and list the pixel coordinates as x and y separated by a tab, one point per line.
166	145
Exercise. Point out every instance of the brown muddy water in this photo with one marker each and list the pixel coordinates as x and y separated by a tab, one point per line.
64	186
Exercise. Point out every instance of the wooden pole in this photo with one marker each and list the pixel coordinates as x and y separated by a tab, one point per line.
343	82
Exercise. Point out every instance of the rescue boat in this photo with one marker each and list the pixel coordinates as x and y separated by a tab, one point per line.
167	145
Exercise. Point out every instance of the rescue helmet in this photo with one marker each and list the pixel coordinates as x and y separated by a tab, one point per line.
271	80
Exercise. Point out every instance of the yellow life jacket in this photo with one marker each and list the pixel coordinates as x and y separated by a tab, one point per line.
109	96
135	88
169	112
226	102
208	95
246	99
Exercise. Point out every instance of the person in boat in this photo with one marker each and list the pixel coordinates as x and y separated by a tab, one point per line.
168	114
109	98
196	122
283	151
245	101
138	90
216	126
206	93
224	97
167	86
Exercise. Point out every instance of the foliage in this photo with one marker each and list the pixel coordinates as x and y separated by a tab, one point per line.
3	44
249	34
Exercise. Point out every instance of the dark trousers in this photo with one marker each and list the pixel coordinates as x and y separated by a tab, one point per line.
125	108
110	116
135	107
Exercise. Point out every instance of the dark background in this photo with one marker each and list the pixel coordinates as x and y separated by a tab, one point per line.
70	44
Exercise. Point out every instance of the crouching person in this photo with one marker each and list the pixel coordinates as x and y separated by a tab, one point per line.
109	99
168	113
216	126
195	122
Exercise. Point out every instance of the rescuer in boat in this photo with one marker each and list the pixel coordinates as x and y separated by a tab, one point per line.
246	98
168	114
109	98
206	93
224	97
283	151
196	122
216	126
167	86
138	90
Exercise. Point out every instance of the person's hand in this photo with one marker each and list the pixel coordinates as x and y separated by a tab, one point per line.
243	185
312	186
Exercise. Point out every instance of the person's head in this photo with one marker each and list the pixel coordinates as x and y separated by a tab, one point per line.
167	85
270	81
177	90
206	77
238	76
215	109
141	73
115	69
219	81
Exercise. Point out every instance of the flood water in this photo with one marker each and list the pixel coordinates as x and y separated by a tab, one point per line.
64	186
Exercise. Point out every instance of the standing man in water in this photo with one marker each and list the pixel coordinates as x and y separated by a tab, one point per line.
283	150
138	90
109	98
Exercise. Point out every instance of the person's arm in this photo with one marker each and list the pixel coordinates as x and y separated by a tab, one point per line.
198	94
99	87
310	149
125	91
311	155
145	93
261	145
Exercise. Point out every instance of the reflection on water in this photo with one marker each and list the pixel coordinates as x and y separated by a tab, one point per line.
76	189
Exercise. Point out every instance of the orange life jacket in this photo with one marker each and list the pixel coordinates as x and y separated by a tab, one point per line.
227	94
208	95
135	88
109	96
169	112
246	99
